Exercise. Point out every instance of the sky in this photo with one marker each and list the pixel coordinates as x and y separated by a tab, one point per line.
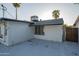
68	11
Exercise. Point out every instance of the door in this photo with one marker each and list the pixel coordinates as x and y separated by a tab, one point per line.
72	34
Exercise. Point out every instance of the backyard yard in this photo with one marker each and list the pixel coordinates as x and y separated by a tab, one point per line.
37	47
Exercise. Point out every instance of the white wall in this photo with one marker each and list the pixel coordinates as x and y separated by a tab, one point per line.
77	25
3	40
52	32
18	32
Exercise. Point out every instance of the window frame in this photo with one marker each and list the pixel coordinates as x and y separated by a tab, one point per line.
39	30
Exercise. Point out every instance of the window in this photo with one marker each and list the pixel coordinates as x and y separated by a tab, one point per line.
39	30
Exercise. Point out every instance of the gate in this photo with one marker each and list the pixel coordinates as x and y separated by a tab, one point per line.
72	34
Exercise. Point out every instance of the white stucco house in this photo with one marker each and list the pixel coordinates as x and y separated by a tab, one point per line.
15	31
51	29
76	24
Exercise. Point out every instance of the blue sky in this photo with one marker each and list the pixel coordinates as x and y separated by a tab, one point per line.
68	11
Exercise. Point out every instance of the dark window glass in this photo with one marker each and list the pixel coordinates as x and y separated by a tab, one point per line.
39	30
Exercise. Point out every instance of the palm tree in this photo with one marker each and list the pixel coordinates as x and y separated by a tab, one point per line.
16	5
55	14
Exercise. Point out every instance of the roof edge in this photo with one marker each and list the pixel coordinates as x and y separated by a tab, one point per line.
8	19
77	20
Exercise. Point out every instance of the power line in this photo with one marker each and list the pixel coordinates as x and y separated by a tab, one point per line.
5	9
10	14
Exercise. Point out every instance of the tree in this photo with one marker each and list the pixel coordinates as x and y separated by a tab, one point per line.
16	5
56	14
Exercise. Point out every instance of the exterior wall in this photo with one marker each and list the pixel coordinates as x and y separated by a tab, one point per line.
77	26
3	40
52	32
18	32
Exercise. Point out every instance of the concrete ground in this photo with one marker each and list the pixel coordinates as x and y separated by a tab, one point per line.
37	47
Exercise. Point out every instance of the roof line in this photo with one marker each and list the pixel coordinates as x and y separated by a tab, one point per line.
76	21
8	19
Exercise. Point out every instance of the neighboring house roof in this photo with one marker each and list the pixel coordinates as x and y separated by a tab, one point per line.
50	22
8	19
77	20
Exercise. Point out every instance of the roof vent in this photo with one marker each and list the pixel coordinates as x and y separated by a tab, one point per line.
34	18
